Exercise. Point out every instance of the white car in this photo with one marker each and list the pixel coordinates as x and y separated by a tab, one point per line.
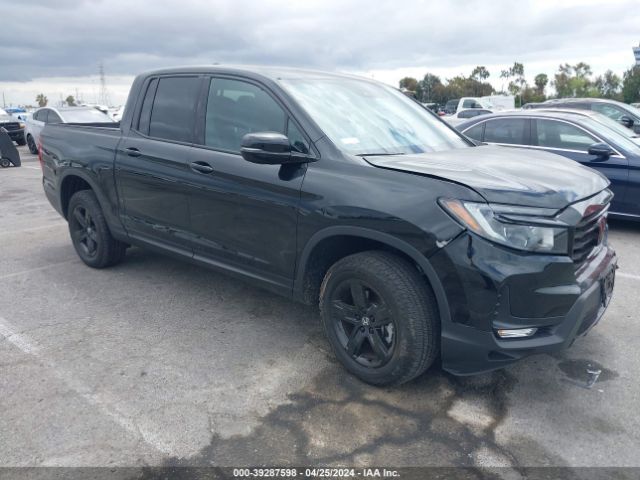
464	115
44	115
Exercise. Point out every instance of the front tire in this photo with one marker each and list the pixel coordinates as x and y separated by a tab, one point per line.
90	234
33	148
380	317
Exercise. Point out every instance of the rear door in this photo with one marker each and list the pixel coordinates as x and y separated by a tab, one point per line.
509	131
243	215
152	163
572	141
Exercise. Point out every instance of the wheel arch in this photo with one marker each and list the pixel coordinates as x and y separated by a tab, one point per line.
312	263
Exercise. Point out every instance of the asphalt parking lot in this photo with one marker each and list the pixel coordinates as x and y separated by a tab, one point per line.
159	362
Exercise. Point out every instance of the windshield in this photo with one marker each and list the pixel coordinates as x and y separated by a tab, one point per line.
89	115
622	140
613	125
367	118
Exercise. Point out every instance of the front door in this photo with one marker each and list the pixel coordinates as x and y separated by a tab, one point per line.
244	215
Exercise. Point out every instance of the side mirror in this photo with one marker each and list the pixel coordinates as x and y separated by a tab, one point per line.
626	121
601	150
269	148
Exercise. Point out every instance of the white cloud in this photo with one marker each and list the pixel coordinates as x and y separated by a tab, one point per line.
68	39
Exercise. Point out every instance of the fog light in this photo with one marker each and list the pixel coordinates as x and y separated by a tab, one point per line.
517	333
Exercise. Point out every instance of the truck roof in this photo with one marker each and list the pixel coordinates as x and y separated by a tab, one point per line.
270	72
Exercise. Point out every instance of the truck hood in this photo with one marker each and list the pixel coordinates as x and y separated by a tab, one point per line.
508	175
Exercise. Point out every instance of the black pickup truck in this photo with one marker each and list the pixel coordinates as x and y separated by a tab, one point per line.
417	244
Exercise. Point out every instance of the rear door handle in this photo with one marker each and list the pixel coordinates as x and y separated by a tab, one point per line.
133	152
201	167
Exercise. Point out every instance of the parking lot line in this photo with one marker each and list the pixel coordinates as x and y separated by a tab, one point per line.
32	229
29	347
24	272
628	275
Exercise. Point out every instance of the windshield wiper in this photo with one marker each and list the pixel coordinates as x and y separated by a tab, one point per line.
379	154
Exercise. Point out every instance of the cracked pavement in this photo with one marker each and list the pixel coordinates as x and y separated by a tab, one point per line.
158	362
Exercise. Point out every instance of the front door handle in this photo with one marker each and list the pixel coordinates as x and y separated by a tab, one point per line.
201	167
133	152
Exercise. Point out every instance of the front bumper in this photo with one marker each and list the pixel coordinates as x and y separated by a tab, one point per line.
16	135
489	287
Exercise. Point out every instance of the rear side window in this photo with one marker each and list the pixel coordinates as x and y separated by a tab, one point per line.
174	107
53	117
235	108
475	132
512	131
553	134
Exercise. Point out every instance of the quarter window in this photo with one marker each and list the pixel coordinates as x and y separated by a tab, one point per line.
235	108
512	131
553	134
147	103
174	106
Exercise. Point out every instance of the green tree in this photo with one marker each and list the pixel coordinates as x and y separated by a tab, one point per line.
70	101
516	86
480	73
574	81
631	85
429	88
409	83
541	80
42	100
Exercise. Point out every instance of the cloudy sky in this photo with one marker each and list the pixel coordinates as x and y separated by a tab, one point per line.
56	46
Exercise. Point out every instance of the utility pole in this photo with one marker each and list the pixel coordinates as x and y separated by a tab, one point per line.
4	104
103	86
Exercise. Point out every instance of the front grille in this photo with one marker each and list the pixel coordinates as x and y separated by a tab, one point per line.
588	235
11	126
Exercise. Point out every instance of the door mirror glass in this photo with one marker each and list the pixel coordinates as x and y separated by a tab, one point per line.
270	148
601	150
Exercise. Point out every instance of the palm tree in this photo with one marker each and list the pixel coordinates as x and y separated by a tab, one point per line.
42	100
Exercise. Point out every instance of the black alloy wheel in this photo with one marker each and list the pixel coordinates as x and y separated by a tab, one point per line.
83	230
363	323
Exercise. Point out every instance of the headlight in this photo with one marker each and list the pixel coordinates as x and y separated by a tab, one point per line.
21	125
516	227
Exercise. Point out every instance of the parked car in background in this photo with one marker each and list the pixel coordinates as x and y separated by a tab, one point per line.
571	135
456	104
636	105
13	126
117	114
45	115
463	115
342	192
600	118
626	114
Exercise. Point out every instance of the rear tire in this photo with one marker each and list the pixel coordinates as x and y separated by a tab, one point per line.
90	234
380	317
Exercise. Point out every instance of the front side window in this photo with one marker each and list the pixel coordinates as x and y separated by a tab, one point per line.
174	106
367	118
236	108
511	131
554	134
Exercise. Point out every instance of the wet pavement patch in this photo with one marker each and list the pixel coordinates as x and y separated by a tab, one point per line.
337	420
